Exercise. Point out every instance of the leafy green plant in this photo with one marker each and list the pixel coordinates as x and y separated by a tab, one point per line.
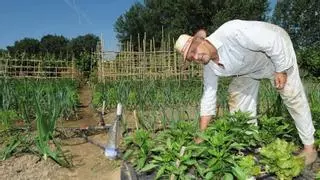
217	156
246	167
7	118
167	152
243	132
278	158
276	127
138	148
165	156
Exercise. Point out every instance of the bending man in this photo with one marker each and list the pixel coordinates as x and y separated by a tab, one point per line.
250	51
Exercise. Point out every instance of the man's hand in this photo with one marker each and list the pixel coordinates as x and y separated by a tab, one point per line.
198	140
280	79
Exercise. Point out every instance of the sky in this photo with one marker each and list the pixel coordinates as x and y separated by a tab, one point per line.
70	18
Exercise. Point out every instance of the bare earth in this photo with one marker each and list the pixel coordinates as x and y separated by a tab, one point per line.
88	159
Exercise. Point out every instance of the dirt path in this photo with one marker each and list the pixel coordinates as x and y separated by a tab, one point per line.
88	159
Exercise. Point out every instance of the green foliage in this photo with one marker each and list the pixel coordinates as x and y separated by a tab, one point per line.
3	51
313	92
133	21
246	167
214	157
132	98
276	127
149	94
181	16
309	60
50	47
139	147
49	107
54	45
82	48
85	43
318	175
301	20
18	142
7	118
279	159
243	132
219	156
97	98
17	95
160	152
27	47
44	101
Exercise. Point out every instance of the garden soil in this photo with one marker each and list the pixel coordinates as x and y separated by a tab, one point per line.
88	159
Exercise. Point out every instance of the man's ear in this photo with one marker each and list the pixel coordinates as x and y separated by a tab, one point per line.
201	33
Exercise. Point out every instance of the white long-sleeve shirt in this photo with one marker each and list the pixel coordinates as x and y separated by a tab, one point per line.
241	45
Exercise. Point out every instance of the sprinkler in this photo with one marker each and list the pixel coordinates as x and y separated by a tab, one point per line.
111	149
113	130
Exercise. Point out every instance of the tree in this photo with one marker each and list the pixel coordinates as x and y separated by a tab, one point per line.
3	51
54	45
157	18
82	47
27	47
81	44
301	19
132	23
309	60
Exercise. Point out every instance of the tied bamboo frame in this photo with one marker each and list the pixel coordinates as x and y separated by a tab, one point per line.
36	68
144	63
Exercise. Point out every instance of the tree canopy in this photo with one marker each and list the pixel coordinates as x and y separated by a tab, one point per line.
53	44
26	46
174	17
58	46
301	19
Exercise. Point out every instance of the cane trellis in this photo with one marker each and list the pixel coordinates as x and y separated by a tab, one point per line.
144	65
36	68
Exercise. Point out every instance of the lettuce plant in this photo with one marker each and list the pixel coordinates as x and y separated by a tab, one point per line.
278	158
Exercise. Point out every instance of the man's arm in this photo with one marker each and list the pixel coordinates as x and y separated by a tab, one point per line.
204	121
270	39
203	124
208	100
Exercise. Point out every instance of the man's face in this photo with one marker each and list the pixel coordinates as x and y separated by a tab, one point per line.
198	52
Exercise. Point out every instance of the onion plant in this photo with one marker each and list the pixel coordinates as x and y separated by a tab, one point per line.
49	107
43	101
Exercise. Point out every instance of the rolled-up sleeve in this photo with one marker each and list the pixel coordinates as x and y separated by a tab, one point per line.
208	100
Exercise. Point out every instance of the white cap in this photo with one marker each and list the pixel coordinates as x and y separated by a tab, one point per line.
183	44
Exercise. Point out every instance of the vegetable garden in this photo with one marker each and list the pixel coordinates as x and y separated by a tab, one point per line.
162	145
159	123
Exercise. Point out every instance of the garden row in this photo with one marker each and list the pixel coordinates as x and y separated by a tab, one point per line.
232	148
28	105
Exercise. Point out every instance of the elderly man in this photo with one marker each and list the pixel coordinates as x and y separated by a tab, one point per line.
250	51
